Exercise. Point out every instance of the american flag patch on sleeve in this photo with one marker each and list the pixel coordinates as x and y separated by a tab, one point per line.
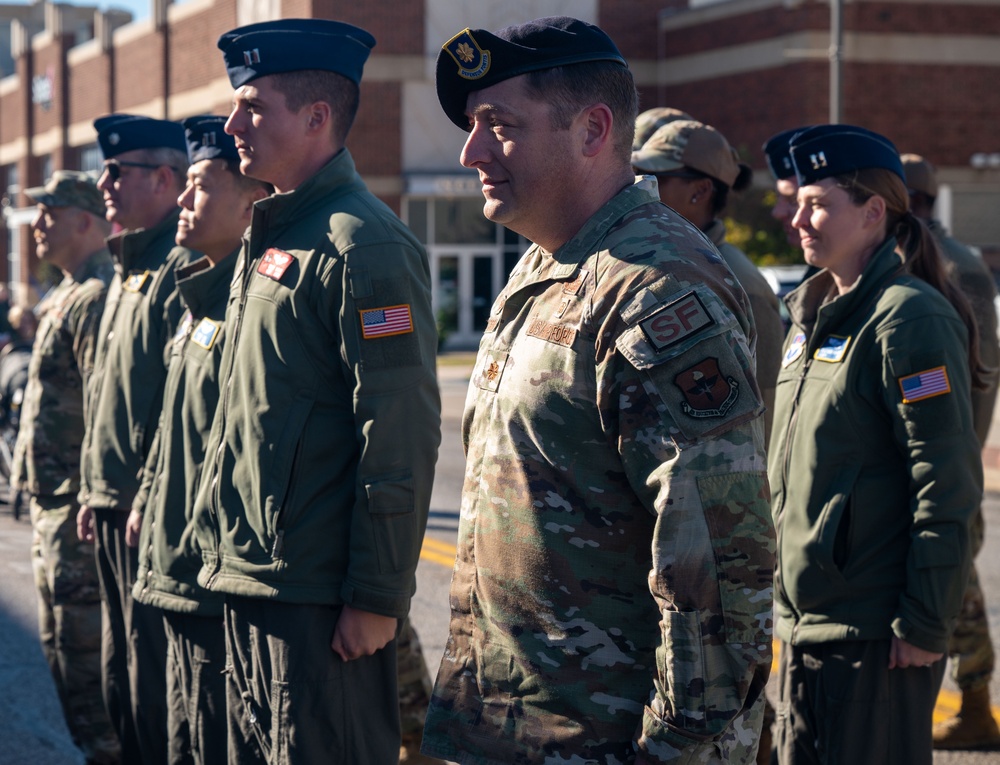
926	384
383	322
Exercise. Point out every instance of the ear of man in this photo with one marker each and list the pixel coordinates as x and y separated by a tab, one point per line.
596	122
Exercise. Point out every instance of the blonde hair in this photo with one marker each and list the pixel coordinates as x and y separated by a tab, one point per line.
917	247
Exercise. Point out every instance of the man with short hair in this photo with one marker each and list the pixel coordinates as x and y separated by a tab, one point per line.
317	479
216	206
144	165
611	599
69	231
970	647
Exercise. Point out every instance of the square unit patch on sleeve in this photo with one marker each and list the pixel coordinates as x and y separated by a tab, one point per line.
926	384
676	320
384	322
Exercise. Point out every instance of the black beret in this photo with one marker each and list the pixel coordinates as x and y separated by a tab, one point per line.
119	133
824	151
779	160
291	45
475	59
206	138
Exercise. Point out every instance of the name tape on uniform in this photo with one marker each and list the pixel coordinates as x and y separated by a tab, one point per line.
676	320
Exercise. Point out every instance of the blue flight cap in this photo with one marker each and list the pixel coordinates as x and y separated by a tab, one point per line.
206	138
779	159
291	45
824	151
475	59
119	133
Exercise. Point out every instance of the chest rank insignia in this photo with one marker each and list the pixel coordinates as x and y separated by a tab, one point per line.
385	322
473	62
274	263
205	334
926	384
184	327
707	392
135	282
833	349
795	349
675	321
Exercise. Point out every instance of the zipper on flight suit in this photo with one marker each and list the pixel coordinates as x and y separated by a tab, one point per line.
785	472
214	493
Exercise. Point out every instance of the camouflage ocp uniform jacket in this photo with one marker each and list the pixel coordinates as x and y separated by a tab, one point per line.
126	392
612	588
169	557
47	454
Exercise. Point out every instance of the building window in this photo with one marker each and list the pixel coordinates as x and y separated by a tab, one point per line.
91	159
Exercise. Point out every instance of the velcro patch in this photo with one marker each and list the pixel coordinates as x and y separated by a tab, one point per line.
385	322
205	334
274	263
926	384
832	349
184	327
135	282
795	349
677	320
560	334
707	391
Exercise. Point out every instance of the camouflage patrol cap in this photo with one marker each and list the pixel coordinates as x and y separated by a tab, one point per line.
476	59
68	188
920	175
688	143
652	120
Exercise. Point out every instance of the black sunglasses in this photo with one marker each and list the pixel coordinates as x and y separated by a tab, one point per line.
113	167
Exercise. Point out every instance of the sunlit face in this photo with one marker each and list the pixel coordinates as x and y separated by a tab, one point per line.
55	230
785	206
835	232
212	205
128	196
521	158
267	132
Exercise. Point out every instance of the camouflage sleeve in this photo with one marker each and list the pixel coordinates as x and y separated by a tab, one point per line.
86	323
691	440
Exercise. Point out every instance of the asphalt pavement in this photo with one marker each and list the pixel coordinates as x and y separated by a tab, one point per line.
31	728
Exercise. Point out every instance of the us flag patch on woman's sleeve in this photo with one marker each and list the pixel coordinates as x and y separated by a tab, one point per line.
926	384
384	322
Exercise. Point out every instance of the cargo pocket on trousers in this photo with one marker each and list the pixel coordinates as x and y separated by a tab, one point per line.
394	521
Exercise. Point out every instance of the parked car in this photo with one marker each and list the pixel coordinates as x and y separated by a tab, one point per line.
783	279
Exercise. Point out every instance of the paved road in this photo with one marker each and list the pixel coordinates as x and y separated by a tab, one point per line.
31	728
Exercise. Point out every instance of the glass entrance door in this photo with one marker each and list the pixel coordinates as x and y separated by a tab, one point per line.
465	283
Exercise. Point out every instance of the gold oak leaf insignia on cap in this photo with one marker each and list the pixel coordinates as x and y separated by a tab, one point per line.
473	62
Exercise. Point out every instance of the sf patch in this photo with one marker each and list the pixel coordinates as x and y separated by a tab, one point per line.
385	322
675	321
926	384
473	62
274	263
707	391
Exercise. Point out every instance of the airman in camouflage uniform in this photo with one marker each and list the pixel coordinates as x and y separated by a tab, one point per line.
970	647
69	233
611	600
